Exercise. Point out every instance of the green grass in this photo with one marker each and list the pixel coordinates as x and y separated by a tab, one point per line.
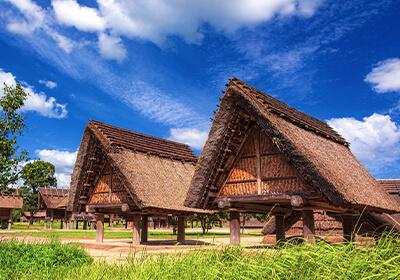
379	260
119	234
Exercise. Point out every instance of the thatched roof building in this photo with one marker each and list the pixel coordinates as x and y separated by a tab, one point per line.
263	155
53	202
9	200
127	173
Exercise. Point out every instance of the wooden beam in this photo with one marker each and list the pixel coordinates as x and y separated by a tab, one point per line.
348	227
181	229
258	161
308	225
280	228
100	227
136	229
145	225
234	230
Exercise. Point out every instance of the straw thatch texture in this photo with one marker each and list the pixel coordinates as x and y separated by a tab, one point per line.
155	173
10	200
52	197
320	155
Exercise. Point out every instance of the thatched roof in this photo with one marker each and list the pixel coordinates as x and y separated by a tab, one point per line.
319	154
156	173
53	198
10	199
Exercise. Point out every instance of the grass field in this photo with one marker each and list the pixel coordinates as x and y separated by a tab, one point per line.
52	260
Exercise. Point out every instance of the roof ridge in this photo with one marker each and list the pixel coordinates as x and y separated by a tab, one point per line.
334	135
138	133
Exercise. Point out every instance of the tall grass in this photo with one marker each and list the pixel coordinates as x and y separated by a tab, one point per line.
379	259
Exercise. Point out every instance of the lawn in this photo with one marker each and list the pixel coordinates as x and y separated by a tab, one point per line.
53	260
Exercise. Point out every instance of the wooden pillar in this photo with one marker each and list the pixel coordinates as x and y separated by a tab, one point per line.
126	224
154	223
45	224
181	229
51	218
10	220
65	224
92	225
72	224
100	227
280	227
84	224
348	227
308	225
122	224
61	224
112	224
77	225
3	224
145	225
136	230
234	229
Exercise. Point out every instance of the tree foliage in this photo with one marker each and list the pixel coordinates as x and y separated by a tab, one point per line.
36	174
12	126
208	221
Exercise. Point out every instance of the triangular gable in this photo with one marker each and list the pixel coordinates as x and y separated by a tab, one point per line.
260	158
108	188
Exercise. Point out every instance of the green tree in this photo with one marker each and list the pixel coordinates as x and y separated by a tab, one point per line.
36	174
12	126
208	221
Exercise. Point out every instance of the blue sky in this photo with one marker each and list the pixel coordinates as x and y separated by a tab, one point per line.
158	67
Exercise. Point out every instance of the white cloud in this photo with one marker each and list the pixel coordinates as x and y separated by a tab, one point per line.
111	48
156	20
70	13
63	161
34	17
37	102
63	42
385	76
193	137
375	139
49	84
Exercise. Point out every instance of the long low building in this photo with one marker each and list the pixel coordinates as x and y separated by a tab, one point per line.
9	200
118	171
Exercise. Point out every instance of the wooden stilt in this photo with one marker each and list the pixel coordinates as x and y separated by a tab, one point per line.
45	224
234	229
122	224
10	220
72	224
308	225
84	224
280	227
100	227
65	224
348	227
181	230
92	225
126	224
136	230
77	225
145	224
51	219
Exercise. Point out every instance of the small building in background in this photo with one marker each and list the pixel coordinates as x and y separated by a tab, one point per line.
9	200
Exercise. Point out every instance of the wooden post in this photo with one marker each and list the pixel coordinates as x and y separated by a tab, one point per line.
92	225
280	227
51	218
122	223
61	224
348	227
65	224
100	227
84	224
145	224
10	220
72	224
234	229
126	224
308	225
45	224
181	229
136	230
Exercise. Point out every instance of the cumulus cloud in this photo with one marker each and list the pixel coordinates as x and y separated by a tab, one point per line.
49	84
191	136
111	47
37	102
158	19
385	76
70	13
63	161
34	17
375	139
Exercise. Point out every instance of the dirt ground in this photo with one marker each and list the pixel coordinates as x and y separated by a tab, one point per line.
118	249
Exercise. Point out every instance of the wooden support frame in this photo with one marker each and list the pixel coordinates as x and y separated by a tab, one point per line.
308	225
181	229
348	227
136	230
100	227
280	227
9	220
234	230
145	225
